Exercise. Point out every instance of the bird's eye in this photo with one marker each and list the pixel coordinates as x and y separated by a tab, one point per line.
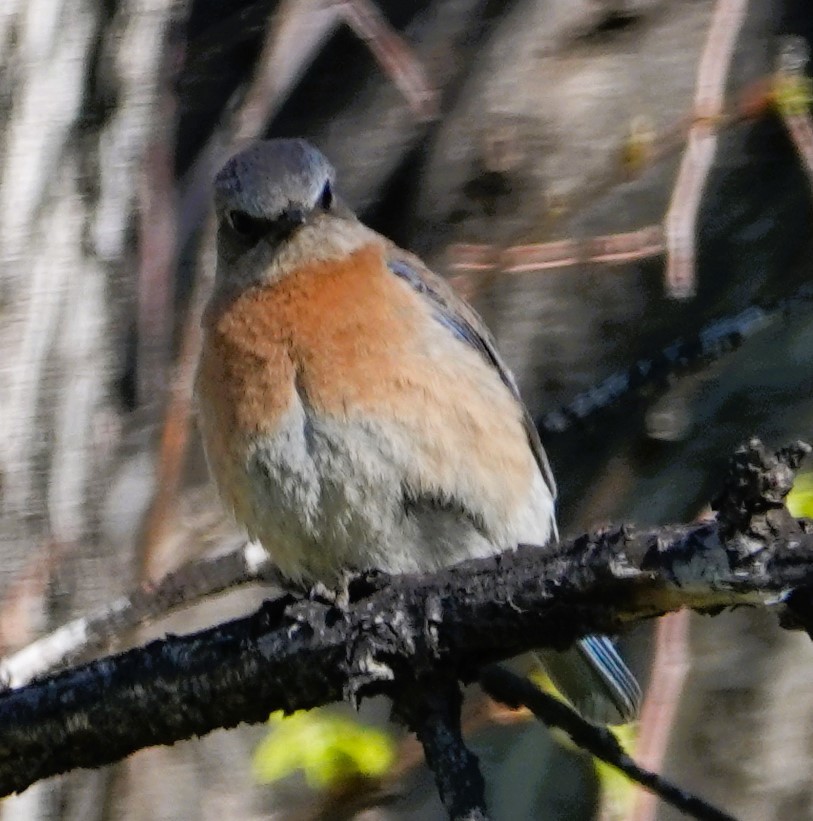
248	227
326	200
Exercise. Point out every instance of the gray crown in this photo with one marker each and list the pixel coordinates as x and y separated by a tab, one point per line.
271	177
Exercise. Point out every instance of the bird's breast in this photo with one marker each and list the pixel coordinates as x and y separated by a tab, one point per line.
325	330
331	397
282	370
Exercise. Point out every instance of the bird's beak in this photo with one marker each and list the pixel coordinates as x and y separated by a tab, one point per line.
292	218
285	225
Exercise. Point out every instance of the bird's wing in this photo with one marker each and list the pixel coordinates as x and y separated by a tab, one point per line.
464	322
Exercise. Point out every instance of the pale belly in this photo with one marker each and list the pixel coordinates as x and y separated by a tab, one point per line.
324	498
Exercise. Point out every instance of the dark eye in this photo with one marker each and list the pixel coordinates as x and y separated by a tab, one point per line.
326	200
248	227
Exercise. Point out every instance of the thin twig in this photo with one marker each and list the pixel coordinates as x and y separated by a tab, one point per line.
680	357
174	439
396	58
297	31
681	218
522	259
670	668
472	257
24	600
96	631
157	254
598	741
608	248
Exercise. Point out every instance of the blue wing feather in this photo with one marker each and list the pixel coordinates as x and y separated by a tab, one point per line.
454	314
457	324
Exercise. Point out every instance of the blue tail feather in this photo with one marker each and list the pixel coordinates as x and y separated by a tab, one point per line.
595	680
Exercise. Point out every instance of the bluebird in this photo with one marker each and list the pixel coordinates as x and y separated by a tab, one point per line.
355	412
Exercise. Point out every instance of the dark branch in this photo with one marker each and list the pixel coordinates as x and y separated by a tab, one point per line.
431	708
682	357
515	691
298	654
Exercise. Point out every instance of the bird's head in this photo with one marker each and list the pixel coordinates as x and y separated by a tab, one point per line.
276	206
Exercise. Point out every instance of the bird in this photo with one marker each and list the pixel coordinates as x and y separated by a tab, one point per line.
355	412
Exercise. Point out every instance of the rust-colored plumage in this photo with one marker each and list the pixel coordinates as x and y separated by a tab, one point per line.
354	340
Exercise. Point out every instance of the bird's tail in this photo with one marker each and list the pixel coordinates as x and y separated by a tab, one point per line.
594	679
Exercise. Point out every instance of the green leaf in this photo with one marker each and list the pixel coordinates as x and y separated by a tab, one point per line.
329	749
800	499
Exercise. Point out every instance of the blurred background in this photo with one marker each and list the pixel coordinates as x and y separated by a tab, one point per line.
600	177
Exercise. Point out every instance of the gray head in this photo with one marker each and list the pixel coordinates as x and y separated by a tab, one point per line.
276	212
270	189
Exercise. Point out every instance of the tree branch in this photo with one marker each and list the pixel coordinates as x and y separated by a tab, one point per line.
683	356
431	708
297	654
96	632
510	689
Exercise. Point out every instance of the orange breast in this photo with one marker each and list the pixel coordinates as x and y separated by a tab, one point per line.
357	344
321	326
